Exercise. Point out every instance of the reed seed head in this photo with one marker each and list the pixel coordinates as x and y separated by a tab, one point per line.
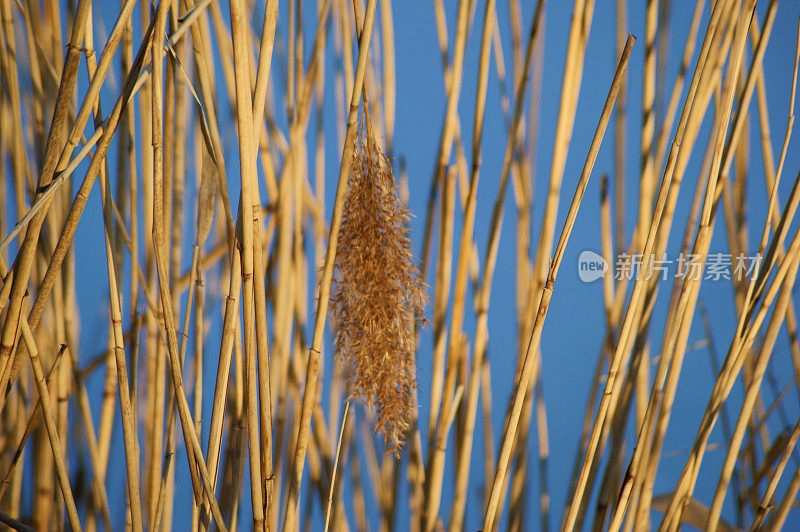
378	295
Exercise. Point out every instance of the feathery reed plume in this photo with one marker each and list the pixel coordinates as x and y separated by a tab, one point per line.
377	294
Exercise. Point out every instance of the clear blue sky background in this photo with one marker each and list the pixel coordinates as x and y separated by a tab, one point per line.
574	328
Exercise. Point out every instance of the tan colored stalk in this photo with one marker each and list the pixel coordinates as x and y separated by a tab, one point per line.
260	94
264	65
20	448
388	85
453	94
336	466
573	72
193	445
50	424
779	518
669	117
85	413
200	42
442	284
25	257
198	376
324	291
127	170
483	296
156	370
223	37
621	352
264	373
747	93
647	181
647	187
673	513
528	366
17	146
128	422
433	499
208	189
101	136
247	211
12	112
751	395
765	503
435	464
229	329
620	137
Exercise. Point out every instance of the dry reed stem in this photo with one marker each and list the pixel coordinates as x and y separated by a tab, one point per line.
193	447
530	355
247	209
200	42
620	137
751	395
230	319
619	358
336	465
102	135
483	295
208	190
20	448
128	421
161	205
454	354
674	339
677	88
25	256
85	413
647	170
327	274
573	72
50	424
702	242
765	503
453	87
433	498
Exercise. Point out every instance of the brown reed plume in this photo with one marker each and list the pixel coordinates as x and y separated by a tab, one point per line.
377	292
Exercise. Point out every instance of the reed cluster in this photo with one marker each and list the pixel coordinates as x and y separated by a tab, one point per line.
183	149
